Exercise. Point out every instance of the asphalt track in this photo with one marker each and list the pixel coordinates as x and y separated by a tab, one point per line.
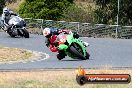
105	53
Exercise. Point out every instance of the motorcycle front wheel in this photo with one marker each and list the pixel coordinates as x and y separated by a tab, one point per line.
87	55
25	33
77	53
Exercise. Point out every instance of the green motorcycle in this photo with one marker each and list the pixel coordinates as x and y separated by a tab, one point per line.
72	47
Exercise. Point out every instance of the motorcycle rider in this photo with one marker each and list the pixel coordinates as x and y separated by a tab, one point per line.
51	36
6	15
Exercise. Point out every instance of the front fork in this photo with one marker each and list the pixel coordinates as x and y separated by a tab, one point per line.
78	41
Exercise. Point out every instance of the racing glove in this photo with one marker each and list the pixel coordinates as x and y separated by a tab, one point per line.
75	35
53	48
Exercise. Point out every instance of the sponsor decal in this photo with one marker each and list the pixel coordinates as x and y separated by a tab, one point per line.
83	78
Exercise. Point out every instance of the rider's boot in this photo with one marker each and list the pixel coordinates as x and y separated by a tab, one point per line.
61	55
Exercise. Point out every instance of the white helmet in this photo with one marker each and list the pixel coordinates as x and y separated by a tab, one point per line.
6	11
46	32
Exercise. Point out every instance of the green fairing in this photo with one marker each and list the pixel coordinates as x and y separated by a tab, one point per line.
70	39
81	44
62	47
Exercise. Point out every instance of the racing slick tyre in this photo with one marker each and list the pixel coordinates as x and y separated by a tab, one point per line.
10	33
87	55
25	33
77	53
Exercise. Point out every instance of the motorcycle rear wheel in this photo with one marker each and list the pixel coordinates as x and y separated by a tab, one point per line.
10	33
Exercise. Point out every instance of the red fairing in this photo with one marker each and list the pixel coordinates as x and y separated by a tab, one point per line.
53	49
52	40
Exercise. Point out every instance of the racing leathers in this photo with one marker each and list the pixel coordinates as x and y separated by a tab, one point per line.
51	41
5	19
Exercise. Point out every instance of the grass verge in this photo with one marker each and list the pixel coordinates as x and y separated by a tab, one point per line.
55	79
13	54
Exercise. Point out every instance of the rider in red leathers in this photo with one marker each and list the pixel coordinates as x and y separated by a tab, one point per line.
51	36
52	39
